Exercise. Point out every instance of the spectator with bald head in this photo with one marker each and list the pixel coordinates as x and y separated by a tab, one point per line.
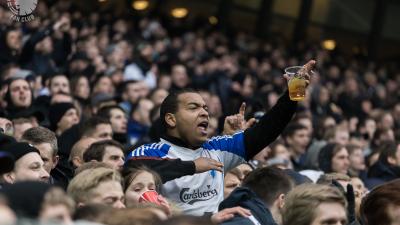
79	148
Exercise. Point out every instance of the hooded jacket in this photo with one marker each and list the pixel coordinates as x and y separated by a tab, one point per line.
246	198
380	173
7	55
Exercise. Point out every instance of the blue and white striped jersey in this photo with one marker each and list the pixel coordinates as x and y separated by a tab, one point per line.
199	193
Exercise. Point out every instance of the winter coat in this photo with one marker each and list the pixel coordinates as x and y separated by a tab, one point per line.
380	173
246	198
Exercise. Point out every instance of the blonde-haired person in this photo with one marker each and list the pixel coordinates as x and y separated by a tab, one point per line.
315	204
99	185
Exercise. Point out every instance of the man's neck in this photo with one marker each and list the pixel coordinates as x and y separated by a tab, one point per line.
276	214
174	139
294	154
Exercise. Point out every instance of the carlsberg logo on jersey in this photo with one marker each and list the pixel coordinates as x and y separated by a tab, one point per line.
191	196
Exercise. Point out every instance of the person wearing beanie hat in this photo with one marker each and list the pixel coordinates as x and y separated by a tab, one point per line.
334	157
25	198
37	200
28	164
6	162
62	116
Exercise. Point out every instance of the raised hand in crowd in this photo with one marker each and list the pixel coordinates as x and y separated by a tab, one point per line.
63	24
305	71
350	197
235	123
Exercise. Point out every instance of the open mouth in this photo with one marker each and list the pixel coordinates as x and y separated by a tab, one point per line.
203	126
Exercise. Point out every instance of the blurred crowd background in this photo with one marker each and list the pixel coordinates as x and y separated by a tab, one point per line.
69	68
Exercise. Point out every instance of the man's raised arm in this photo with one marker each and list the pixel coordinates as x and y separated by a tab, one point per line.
272	123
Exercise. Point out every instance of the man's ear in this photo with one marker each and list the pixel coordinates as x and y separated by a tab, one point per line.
281	201
288	140
55	160
9	177
170	119
77	161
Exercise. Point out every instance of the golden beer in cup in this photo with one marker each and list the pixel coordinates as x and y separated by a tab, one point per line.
297	83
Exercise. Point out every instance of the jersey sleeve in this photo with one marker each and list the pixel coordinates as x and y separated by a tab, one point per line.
231	149
154	156
154	150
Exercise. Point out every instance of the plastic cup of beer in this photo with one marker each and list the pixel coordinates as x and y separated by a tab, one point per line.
297	83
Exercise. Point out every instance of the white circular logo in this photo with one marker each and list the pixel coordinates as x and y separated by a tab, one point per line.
22	8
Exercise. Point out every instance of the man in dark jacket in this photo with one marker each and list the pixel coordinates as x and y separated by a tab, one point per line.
10	46
388	166
263	194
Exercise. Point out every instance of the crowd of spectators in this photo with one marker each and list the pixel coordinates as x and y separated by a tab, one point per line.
79	92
